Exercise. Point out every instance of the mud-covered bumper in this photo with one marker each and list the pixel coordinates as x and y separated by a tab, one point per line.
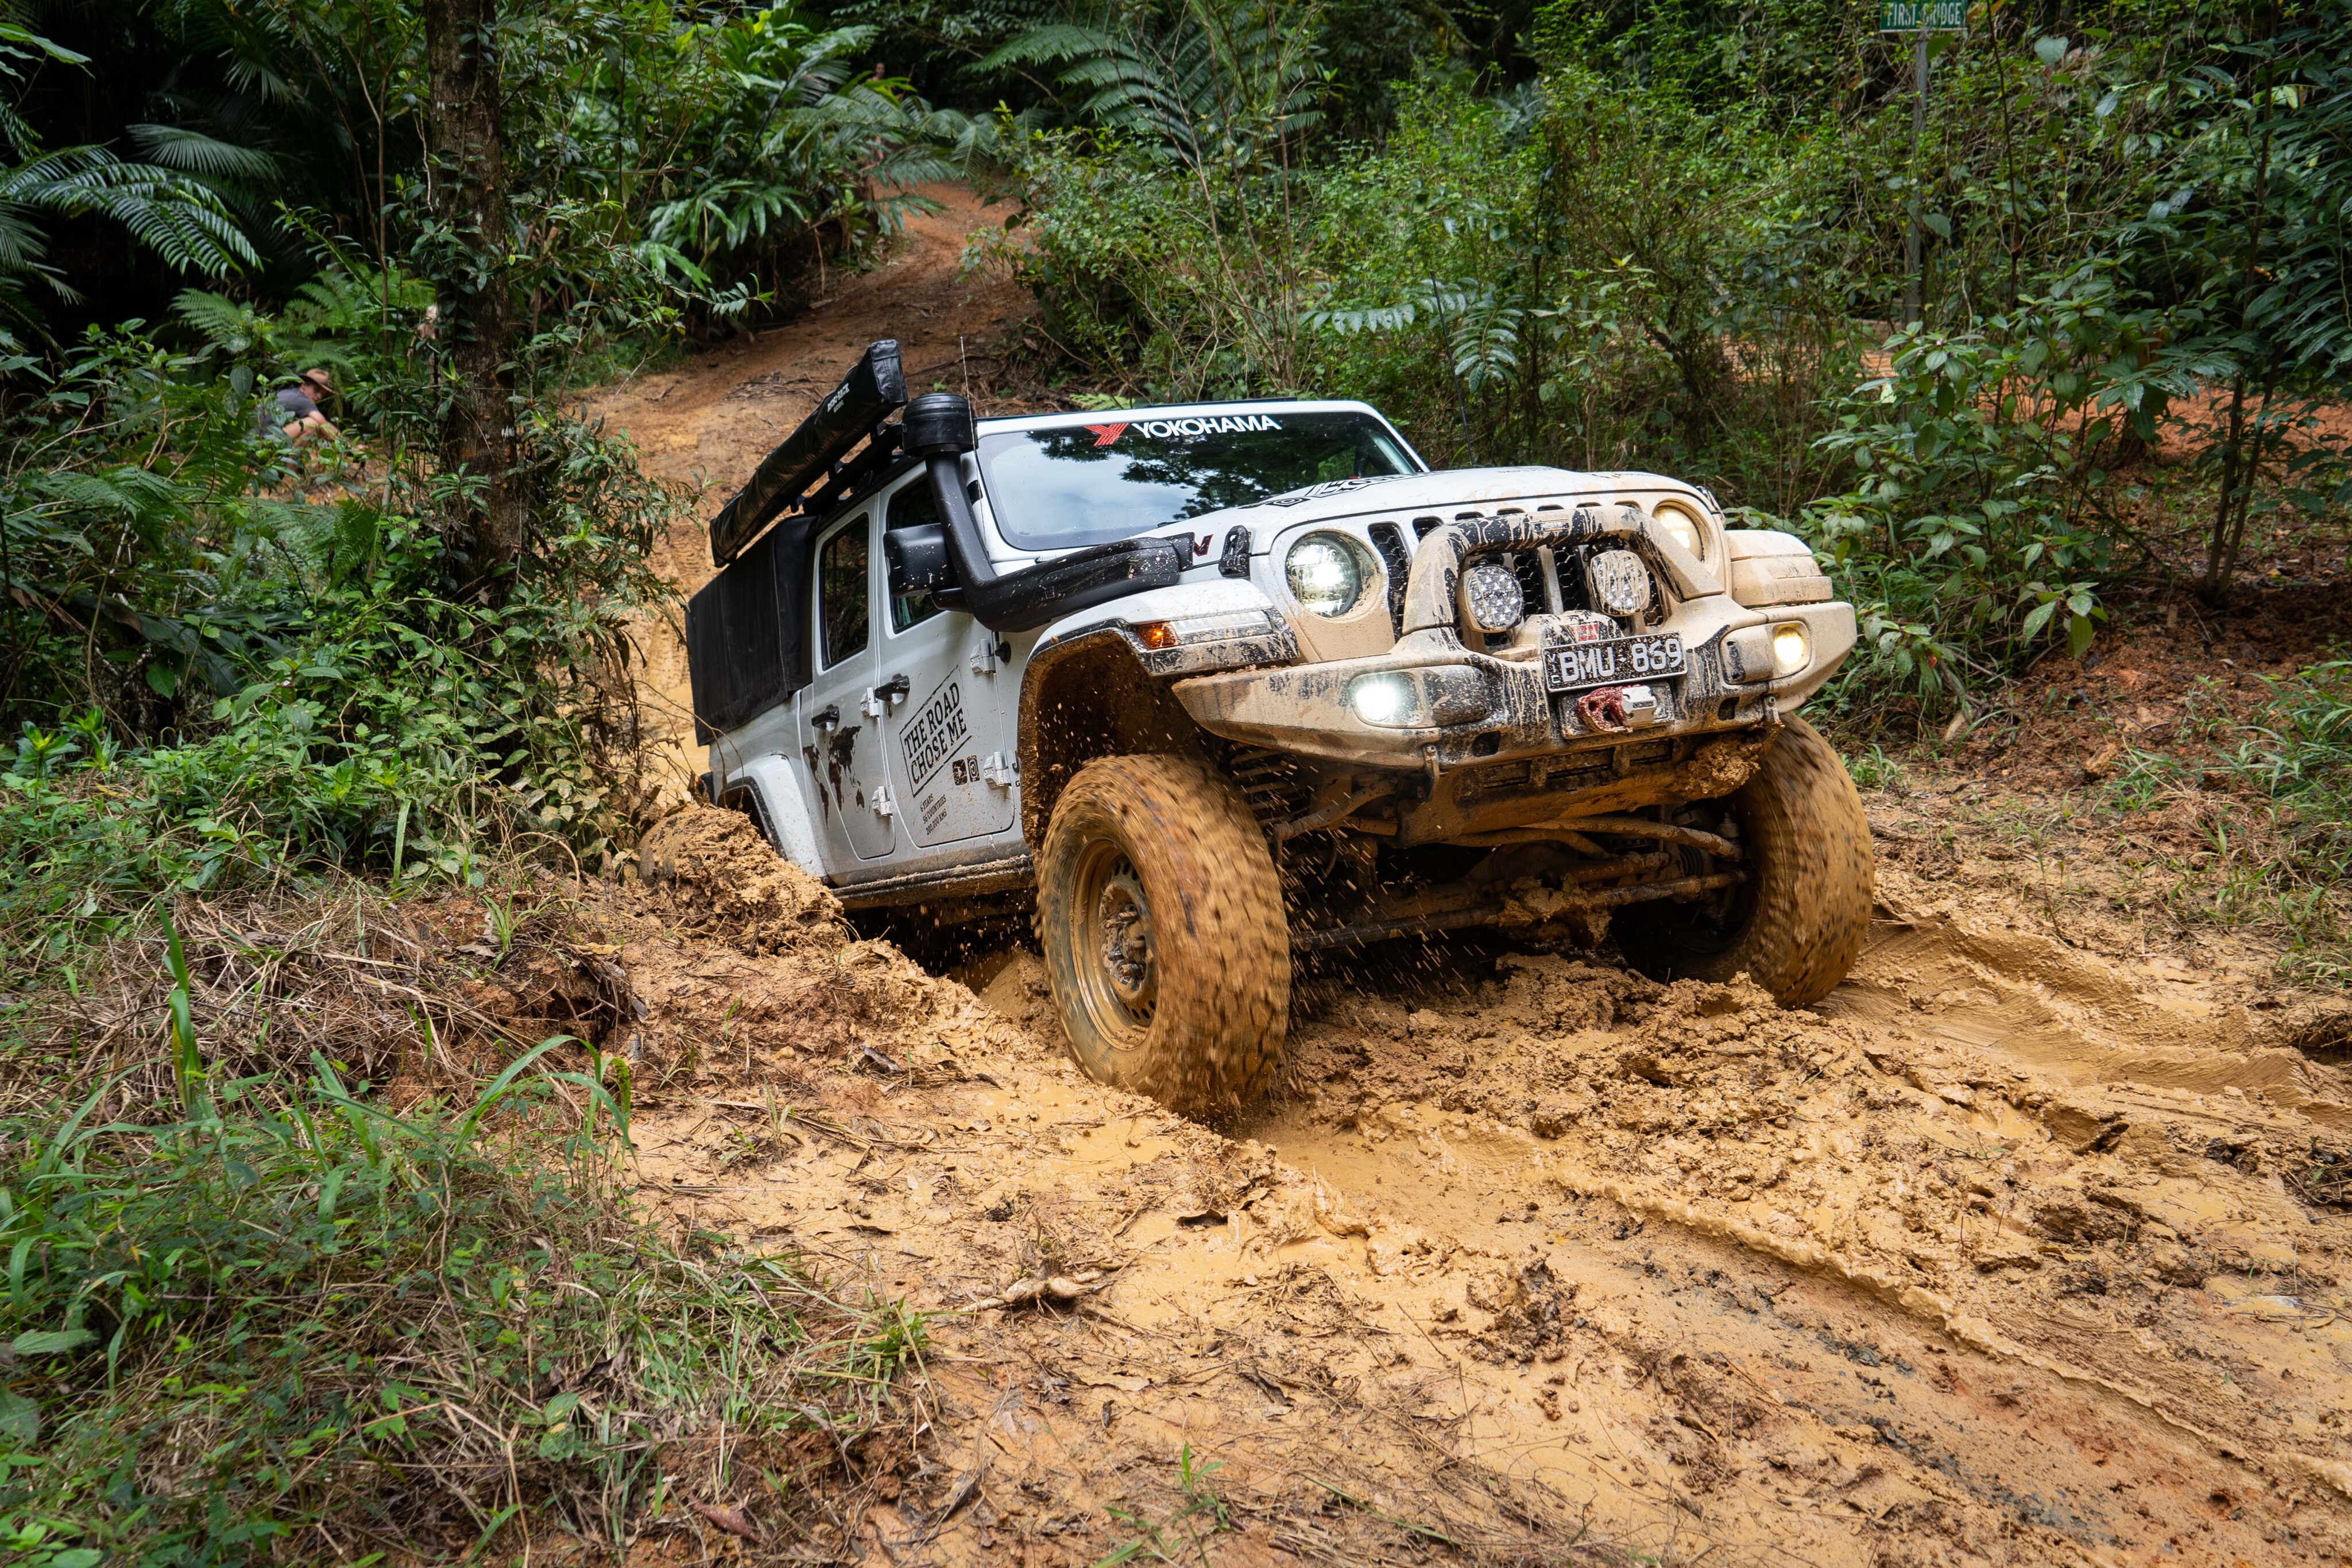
1445	709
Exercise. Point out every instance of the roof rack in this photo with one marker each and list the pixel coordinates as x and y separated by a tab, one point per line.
842	442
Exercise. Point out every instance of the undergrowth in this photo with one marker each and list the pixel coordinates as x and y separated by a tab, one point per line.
272	1318
1183	1535
2271	795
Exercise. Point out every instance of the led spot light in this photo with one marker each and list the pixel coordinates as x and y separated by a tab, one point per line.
1620	583
1491	598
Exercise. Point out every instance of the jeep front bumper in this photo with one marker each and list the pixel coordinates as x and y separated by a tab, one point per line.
1460	707
1464	743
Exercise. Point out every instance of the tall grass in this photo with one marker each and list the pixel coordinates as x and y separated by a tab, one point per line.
293	1325
2272	798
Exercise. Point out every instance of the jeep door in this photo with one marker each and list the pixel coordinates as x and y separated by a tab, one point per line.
843	748
951	754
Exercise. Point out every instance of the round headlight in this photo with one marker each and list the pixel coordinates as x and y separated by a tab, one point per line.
1327	573
1491	598
1682	529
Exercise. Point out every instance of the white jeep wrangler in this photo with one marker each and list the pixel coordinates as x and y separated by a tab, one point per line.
1207	686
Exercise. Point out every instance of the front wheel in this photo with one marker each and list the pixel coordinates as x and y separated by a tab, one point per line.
1796	925
1161	917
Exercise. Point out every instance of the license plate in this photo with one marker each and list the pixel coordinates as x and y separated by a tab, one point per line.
1572	666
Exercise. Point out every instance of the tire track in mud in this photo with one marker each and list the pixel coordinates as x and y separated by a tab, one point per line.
1508	1259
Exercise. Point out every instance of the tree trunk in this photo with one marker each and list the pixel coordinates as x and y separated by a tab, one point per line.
2220	552
2237	468
466	169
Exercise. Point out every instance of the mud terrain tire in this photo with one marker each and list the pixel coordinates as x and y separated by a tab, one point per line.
1162	849
1797	925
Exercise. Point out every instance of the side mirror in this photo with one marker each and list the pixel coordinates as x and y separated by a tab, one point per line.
918	560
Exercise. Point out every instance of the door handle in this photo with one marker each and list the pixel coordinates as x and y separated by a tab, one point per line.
896	690
826	718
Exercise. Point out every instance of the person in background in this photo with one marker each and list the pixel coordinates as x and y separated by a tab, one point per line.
295	409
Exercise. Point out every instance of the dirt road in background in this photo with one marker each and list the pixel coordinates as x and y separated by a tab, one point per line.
2026	1246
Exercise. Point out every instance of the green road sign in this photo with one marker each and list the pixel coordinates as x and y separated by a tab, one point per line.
1923	15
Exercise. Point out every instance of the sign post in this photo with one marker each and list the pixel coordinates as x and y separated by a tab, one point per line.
1919	19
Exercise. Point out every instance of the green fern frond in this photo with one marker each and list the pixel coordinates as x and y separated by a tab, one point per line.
193	153
223	322
164	209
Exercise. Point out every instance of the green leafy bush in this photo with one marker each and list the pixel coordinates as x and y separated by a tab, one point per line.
1982	519
224	664
1541	278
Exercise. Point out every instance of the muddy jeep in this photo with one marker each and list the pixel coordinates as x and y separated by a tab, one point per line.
1201	688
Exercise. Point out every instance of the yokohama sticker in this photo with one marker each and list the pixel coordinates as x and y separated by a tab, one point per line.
1164	429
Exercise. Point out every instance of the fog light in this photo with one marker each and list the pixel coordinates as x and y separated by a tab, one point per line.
1792	649
1381	699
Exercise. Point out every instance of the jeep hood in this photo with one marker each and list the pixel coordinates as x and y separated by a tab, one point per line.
1441	492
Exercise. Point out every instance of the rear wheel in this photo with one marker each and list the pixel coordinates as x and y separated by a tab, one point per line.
1796	925
1160	918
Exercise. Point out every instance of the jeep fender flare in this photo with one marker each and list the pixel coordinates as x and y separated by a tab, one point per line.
1084	696
1091	687
775	804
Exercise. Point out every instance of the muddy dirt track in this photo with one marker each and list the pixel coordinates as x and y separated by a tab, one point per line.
2025	1246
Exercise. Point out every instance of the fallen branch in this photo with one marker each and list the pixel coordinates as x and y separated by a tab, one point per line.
1030	1292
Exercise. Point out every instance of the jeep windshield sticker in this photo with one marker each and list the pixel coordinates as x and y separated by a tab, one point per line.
1167	429
932	733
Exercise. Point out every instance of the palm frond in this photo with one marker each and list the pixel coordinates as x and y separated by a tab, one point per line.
22	246
1221	81
175	217
193	153
1055	43
225	323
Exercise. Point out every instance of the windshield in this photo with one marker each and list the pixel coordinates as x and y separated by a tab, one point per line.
1087	484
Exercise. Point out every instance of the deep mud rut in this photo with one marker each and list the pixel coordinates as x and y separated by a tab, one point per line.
2025	1246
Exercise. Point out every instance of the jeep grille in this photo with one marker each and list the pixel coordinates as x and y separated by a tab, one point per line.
1553	580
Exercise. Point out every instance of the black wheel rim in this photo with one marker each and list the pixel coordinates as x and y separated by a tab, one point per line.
1112	946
